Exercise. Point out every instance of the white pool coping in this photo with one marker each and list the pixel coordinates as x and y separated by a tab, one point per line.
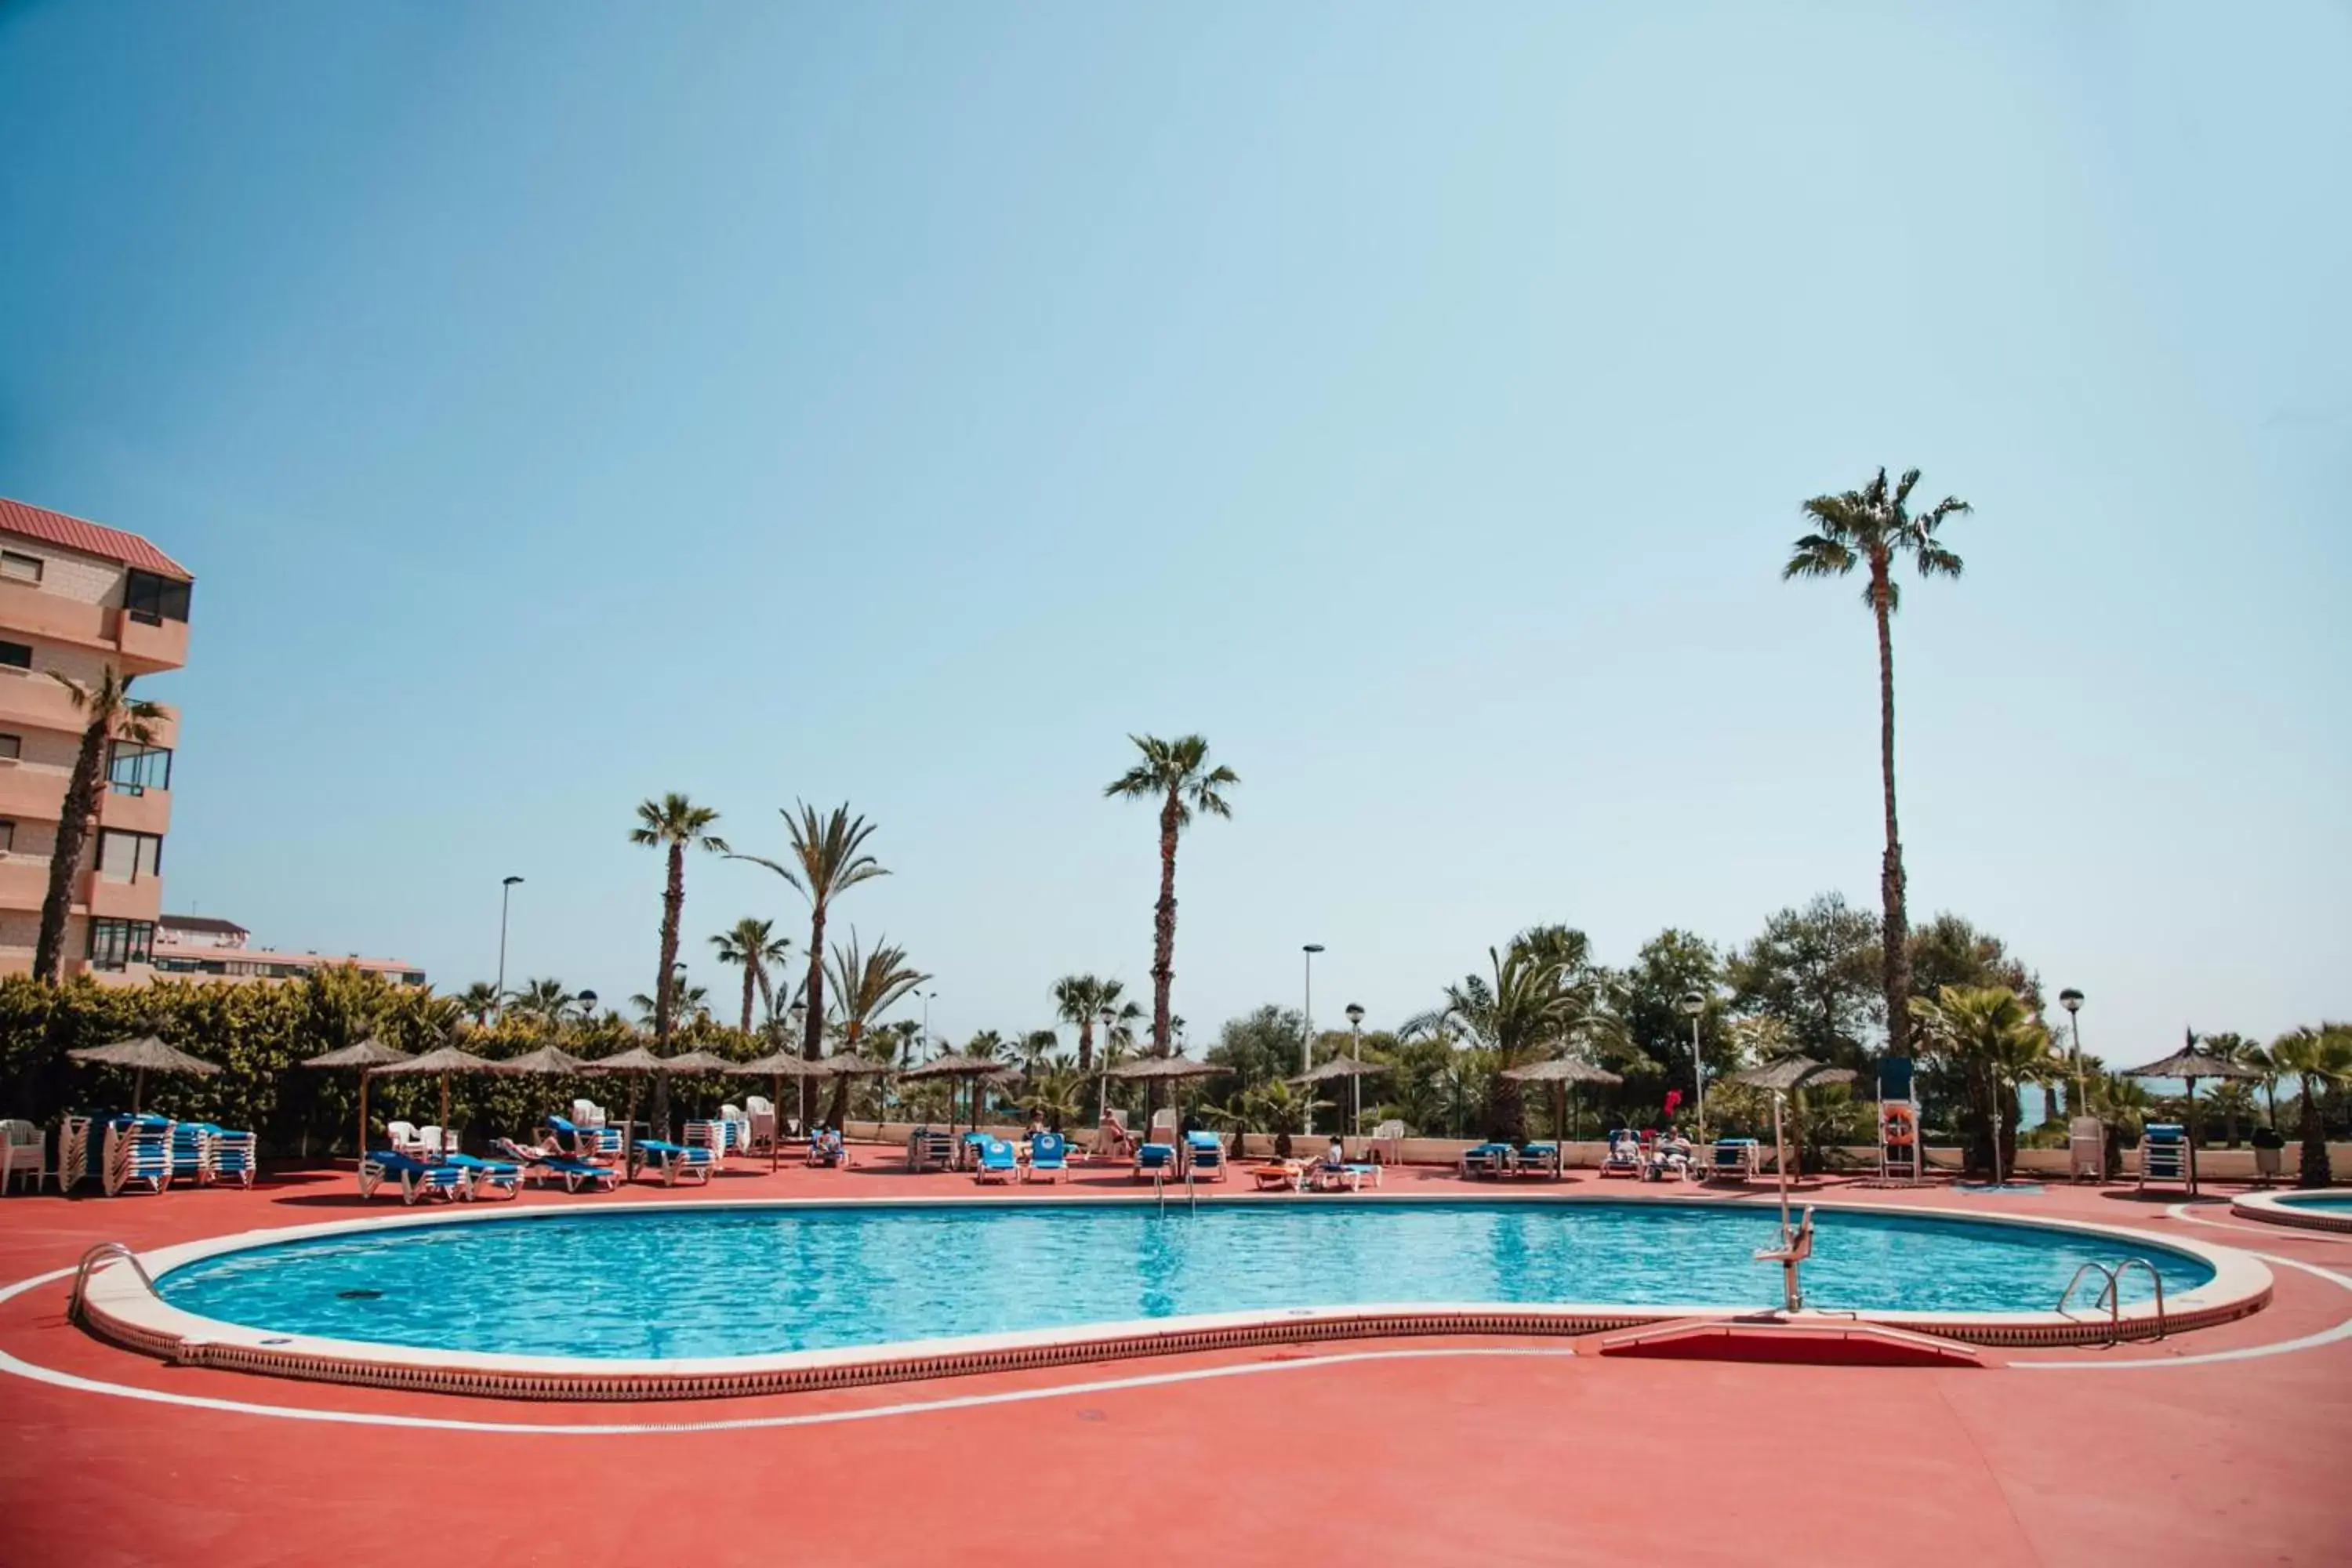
2281	1208
118	1306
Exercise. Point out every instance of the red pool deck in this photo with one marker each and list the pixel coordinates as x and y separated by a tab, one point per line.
2227	1446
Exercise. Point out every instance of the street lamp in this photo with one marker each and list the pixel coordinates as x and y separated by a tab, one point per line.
1102	1068
799	1015
587	1000
1306	1041
2072	1000
1356	1049
1694	1003
506	893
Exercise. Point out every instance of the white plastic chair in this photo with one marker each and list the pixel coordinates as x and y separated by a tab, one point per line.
405	1140
1387	1145
763	1116
587	1113
23	1151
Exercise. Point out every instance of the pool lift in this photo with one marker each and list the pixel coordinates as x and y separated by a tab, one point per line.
1796	1244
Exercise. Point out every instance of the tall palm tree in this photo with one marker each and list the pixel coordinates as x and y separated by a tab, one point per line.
2000	1045
1083	999
828	859
754	944
1543	991
866	984
674	824
687	1000
1178	775
110	713
1869	528
2316	1058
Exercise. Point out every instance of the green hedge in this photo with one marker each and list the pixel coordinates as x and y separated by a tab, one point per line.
260	1033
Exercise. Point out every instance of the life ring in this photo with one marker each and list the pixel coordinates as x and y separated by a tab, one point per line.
1898	1126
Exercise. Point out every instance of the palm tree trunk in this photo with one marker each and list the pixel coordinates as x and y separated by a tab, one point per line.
665	985
1896	960
73	831
1087	1044
812	1029
750	989
1163	944
840	1111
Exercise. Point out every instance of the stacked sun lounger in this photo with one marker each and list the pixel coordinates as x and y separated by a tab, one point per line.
1735	1160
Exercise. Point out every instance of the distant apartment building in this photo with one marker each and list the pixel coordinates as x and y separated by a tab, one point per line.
203	947
76	597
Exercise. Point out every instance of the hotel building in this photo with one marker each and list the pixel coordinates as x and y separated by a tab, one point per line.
76	597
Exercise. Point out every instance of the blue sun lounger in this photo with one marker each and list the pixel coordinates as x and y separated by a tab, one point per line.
1155	1161
672	1160
1736	1160
1049	1156
416	1178
994	1161
1205	1152
538	1166
497	1174
1487	1160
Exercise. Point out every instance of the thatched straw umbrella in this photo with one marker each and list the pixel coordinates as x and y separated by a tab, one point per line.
367	1056
144	1054
442	1063
636	1062
1559	1072
2191	1064
849	1065
1355	1070
778	1064
960	1067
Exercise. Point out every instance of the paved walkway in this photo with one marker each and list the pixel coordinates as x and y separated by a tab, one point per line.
1488	1452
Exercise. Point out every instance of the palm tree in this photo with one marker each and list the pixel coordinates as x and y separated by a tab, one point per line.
1082	999
478	1002
110	713
687	1000
1177	775
2250	1054
545	1000
2000	1044
754	944
2316	1058
828	855
866	984
1869	528
672	823
1543	991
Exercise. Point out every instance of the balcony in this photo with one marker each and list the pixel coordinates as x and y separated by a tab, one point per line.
139	900
138	645
31	698
31	793
150	811
24	881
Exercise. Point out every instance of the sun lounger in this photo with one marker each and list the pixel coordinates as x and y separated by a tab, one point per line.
137	1151
540	1165
2163	1154
930	1149
1345	1176
1291	1173
1536	1160
993	1161
1205	1153
1735	1160
1155	1161
825	1149
416	1178
235	1157
1625	1156
1049	1157
1487	1160
497	1176
673	1161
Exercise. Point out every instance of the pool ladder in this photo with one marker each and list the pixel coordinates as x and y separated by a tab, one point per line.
2111	1293
103	1253
1191	1198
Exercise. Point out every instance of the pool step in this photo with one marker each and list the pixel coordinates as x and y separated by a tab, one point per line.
1806	1339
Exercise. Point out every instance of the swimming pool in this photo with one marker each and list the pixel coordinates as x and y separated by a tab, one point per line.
704	1280
2319	1210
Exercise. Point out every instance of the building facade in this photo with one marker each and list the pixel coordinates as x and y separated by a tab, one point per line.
204	947
75	598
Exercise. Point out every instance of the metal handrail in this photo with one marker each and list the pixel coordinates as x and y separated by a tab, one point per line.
104	1252
2111	1295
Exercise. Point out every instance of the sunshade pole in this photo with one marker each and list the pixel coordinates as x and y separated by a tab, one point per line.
360	1153
138	1089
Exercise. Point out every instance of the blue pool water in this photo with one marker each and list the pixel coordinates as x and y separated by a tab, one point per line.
2333	1203
704	1281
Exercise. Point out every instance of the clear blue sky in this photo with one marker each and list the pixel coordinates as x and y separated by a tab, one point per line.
562	402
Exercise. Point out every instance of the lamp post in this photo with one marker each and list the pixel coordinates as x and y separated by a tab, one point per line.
1694	1003
1356	1049
506	894
1306	1041
587	1000
1102	1071
2072	1000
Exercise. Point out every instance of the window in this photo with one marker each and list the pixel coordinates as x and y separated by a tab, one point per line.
114	944
7	836
152	599
129	857
11	747
21	567
15	655
134	769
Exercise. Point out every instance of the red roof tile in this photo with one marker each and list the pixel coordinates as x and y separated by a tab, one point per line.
90	538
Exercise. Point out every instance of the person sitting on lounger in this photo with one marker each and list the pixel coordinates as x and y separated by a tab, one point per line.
1336	1154
1113	1141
